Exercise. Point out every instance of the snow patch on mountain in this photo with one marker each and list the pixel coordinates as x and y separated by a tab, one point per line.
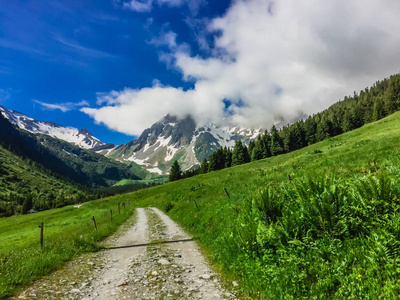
81	138
173	138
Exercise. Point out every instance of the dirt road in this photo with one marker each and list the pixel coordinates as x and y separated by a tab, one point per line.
161	271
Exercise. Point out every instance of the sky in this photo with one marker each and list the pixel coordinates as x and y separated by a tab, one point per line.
115	67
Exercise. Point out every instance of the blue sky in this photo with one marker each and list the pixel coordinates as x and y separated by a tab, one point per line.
117	66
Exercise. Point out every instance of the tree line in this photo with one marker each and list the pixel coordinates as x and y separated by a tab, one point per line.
369	105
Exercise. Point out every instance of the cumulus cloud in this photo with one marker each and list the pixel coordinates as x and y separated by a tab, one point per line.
273	61
64	107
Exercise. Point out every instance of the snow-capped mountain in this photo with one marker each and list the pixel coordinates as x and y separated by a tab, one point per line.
173	138
78	137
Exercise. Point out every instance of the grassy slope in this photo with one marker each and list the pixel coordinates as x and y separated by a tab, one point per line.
218	221
221	223
68	231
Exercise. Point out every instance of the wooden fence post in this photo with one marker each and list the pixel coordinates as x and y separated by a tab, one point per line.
226	192
94	221
196	204
111	214
41	235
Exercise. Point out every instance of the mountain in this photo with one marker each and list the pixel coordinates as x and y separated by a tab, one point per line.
79	165
177	139
81	138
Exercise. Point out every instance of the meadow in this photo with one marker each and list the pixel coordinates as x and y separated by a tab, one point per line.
331	231
68	231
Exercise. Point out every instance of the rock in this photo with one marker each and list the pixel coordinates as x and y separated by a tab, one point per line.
75	291
205	276
176	292
72	283
154	273
235	284
227	294
163	261
91	263
121	283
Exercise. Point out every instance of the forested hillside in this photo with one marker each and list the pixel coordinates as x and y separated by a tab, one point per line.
24	185
82	166
370	105
40	172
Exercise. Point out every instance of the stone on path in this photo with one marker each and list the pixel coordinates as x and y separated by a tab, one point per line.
163	261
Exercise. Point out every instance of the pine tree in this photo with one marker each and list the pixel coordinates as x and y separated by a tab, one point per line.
238	154
227	157
257	152
175	173
265	142
204	167
276	145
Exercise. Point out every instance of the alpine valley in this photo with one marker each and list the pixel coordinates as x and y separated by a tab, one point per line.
170	139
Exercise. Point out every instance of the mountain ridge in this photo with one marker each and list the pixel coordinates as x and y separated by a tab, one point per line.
174	138
79	137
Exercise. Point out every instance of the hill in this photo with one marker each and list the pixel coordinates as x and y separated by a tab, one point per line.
331	232
79	165
25	185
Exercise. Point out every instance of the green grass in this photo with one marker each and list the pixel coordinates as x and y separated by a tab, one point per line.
159	179
68	231
294	255
309	238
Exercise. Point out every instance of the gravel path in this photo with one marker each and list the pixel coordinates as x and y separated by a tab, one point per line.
161	271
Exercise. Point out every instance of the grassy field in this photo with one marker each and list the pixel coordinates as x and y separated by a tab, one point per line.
68	231
333	231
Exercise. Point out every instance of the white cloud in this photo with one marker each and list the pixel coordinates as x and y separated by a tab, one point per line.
64	107
272	60
147	5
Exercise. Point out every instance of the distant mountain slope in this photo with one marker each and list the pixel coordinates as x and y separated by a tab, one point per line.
177	139
82	166
81	138
24	181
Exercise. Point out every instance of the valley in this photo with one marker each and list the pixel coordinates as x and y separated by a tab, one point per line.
239	233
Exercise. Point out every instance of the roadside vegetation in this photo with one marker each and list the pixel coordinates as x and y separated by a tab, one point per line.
68	231
331	231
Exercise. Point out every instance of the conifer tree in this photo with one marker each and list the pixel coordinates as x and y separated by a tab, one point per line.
227	157
276	142
257	152
204	166
238	155
175	173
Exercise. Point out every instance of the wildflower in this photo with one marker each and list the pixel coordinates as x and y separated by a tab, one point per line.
254	243
359	275
243	248
316	275
247	242
258	292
